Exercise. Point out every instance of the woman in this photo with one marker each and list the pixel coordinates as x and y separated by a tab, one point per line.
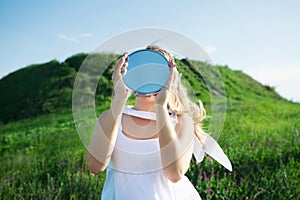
146	149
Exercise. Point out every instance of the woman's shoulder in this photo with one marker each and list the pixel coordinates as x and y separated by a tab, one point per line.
103	114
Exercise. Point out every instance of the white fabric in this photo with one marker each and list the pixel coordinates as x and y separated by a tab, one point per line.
211	147
135	171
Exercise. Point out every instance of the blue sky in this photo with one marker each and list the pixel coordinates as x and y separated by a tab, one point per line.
261	38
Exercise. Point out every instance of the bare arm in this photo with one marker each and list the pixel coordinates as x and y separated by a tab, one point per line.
176	144
105	133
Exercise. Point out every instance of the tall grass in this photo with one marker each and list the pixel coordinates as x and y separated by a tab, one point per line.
43	158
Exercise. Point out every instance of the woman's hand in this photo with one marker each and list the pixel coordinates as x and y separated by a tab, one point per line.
121	92
165	93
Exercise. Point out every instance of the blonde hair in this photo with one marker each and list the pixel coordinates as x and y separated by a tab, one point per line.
181	103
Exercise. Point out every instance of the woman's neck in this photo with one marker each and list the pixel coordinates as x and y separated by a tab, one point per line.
144	103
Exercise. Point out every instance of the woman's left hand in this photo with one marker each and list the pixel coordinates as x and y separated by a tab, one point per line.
164	94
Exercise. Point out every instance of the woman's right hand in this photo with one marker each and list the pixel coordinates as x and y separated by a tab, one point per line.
121	92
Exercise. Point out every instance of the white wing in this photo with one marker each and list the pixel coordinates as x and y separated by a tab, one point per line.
213	149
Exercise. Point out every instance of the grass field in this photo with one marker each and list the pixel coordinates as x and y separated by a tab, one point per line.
43	157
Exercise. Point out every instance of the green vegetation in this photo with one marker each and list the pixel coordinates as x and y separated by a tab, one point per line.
42	156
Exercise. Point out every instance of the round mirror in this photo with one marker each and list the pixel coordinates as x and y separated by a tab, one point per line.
147	71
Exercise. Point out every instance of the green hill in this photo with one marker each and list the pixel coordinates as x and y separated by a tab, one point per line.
43	88
36	89
47	88
42	156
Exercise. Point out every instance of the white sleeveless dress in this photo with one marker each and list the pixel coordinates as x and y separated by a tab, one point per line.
135	171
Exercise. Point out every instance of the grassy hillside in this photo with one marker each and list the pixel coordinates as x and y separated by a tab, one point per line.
47	88
42	156
35	90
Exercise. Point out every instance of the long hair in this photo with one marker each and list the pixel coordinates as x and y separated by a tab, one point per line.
180	102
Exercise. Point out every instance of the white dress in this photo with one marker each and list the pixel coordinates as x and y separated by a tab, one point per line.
135	170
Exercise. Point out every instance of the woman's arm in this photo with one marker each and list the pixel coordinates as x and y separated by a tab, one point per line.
101	146
176	144
105	133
